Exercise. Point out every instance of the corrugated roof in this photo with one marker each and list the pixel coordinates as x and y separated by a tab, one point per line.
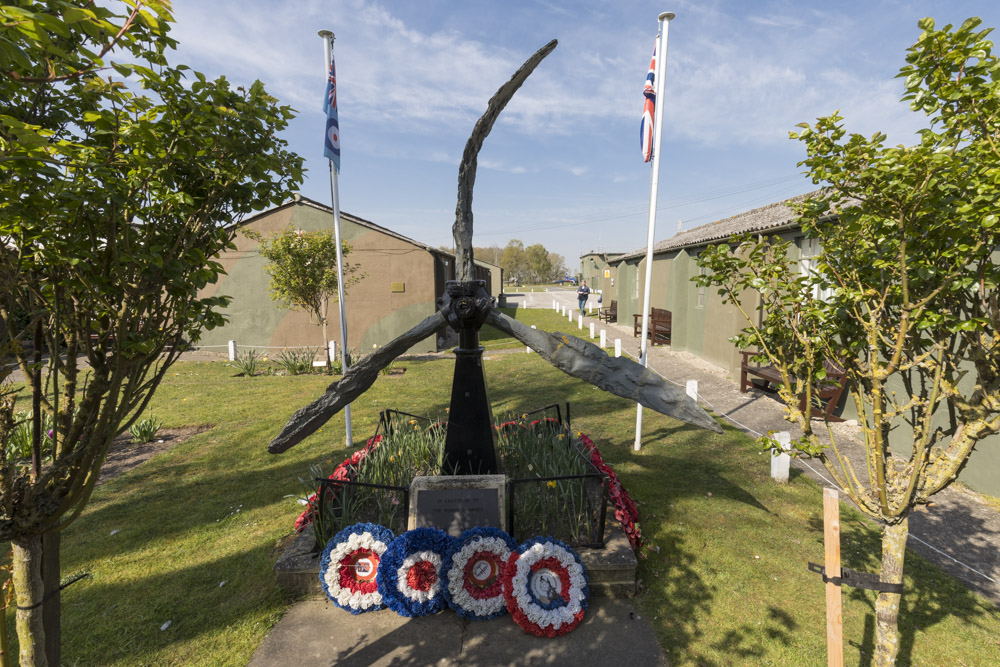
765	218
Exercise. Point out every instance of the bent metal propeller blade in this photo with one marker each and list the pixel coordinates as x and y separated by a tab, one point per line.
617	375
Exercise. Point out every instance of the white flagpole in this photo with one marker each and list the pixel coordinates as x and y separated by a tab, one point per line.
661	66
328	38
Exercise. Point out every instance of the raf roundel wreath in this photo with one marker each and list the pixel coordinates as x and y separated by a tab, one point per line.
409	577
472	574
350	562
545	586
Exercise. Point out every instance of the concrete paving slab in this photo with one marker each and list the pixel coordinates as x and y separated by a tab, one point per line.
315	632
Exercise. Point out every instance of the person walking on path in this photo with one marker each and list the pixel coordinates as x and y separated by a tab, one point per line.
582	293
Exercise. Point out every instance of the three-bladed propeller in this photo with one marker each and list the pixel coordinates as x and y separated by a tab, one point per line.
578	358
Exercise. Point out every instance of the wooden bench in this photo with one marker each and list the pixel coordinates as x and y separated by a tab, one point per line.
660	322
608	314
828	392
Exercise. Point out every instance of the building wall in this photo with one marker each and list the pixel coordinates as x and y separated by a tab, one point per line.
593	268
376	313
494	284
705	332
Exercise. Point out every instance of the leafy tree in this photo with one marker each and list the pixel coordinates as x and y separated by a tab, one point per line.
558	264
492	254
113	202
539	265
909	238
514	261
303	270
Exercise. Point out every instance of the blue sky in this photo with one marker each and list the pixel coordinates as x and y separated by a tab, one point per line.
563	166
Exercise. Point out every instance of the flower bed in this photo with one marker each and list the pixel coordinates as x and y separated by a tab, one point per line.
557	482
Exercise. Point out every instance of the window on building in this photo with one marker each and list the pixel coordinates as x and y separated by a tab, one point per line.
809	252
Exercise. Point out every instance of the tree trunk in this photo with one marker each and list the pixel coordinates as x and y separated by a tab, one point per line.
326	346
51	581
887	605
28	589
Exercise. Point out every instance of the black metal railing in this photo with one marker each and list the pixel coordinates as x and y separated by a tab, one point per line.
571	508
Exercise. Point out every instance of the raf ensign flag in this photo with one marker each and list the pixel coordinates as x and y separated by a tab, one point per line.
331	144
649	90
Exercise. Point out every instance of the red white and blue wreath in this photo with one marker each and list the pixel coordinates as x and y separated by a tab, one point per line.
409	577
350	563
472	574
545	585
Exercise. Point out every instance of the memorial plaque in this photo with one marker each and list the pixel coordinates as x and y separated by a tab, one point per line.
459	502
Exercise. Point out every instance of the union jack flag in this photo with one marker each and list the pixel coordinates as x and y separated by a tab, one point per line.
331	142
648	107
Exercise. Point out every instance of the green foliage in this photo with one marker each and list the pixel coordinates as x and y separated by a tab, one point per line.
145	430
121	177
248	363
303	269
911	268
547	452
18	441
533	264
297	362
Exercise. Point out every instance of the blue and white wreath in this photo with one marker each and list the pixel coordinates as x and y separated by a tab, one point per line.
472	574
350	564
409	577
545	586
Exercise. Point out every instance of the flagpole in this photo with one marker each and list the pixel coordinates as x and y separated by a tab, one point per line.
328	38
661	66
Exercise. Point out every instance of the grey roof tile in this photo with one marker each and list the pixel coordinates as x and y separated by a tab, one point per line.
760	219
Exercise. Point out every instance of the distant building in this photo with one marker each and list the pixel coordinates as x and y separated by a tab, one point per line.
402	280
599	269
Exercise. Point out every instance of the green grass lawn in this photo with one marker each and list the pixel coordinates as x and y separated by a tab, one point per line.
543	318
190	536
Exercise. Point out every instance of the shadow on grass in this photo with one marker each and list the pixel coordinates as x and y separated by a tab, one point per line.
745	642
213	498
132	612
930	595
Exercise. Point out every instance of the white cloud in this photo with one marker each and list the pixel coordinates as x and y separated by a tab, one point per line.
744	80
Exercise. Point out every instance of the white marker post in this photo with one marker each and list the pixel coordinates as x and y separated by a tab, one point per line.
604	339
691	389
591	329
618	347
232	350
780	462
661	66
579	321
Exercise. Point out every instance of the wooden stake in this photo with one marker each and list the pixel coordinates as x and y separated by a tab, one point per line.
834	612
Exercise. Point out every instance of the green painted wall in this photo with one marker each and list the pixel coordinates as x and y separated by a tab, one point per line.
377	313
705	332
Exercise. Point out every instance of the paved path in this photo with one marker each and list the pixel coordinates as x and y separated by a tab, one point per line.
315	632
960	533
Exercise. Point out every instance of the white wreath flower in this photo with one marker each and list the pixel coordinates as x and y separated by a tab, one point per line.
535	613
456	576
344	596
